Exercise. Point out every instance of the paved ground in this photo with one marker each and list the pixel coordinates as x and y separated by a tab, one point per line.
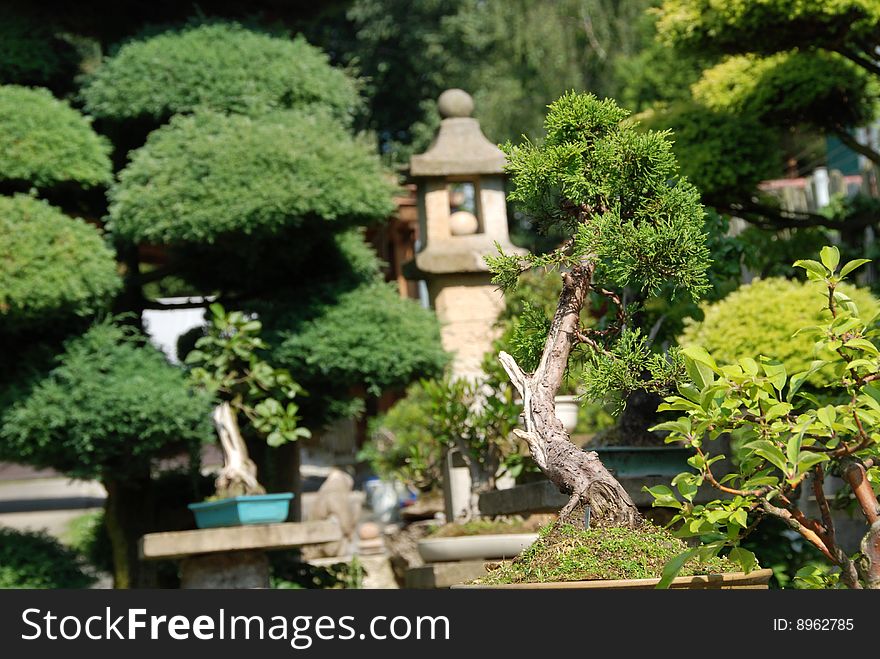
47	503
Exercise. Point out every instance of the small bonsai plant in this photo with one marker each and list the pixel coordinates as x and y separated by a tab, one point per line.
227	363
631	223
476	418
786	438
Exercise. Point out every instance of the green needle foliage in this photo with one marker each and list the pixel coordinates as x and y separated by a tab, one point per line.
208	175
219	66
366	336
615	191
109	407
52	267
44	141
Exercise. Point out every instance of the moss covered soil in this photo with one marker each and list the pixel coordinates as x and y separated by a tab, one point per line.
566	553
485	527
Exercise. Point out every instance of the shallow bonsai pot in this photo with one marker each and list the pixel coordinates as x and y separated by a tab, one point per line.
237	511
754	580
474	547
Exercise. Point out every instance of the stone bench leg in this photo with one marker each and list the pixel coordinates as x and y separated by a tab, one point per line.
234	569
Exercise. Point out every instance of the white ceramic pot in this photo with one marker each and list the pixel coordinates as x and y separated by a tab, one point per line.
474	547
567	411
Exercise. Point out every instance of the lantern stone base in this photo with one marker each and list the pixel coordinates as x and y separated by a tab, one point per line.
239	569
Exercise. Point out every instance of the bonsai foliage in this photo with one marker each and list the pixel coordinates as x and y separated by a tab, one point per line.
108	408
631	223
44	142
784	438
763	318
220	66
476	418
209	175
52	267
228	364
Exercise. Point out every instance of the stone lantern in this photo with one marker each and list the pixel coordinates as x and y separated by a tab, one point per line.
462	215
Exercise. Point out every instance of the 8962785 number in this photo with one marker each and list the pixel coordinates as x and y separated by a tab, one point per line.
824	624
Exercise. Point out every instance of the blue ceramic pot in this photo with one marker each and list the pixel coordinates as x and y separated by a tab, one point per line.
236	511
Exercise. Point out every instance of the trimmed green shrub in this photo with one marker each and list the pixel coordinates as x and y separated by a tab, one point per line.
44	141
109	406
761	318
209	175
30	559
368	336
51	266
721	153
790	87
221	66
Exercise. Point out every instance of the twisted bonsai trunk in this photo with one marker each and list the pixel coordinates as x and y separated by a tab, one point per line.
239	473
575	472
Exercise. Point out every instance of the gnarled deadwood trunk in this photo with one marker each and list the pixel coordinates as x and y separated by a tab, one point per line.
578	473
239	473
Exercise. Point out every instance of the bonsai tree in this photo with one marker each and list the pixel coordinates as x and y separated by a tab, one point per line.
786	439
631	222
228	364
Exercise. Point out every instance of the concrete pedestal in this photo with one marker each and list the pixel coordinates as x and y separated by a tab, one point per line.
238	569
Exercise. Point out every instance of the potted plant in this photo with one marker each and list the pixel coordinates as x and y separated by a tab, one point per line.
631	222
227	363
787	439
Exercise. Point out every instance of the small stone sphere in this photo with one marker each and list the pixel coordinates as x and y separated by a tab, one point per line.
455	103
369	531
463	223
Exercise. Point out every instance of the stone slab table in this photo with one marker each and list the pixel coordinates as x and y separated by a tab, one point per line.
233	556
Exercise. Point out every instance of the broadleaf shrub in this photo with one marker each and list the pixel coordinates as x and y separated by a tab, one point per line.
761	318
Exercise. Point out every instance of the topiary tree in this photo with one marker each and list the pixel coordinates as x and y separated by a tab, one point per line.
110	406
799	69
786	439
44	142
218	66
255	188
763	318
34	559
52	267
631	222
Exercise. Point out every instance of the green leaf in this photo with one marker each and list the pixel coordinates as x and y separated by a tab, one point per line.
830	257
770	452
808	459
775	371
827	416
813	268
852	265
744	558
673	567
740	517
862	344
777	410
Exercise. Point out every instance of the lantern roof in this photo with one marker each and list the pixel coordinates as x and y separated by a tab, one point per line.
460	148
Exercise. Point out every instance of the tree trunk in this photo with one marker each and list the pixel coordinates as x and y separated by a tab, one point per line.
239	473
128	515
575	472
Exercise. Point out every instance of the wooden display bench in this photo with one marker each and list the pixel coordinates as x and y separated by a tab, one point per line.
233	556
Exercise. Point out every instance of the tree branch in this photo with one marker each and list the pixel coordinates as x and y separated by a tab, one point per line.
844	136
